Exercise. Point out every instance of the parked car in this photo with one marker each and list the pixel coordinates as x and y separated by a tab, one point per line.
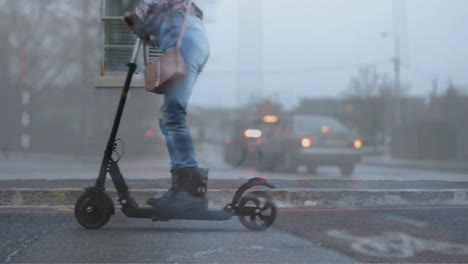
274	143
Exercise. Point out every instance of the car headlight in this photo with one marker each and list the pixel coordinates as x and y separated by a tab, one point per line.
357	144
253	133
306	142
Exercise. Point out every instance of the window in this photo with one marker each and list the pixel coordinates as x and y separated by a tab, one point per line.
118	41
315	124
115	8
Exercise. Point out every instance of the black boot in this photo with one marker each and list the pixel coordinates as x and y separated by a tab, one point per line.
169	195
199	186
183	195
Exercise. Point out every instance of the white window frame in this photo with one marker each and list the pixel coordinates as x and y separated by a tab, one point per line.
108	78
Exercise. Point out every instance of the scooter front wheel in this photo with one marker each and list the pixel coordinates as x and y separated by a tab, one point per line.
263	206
93	209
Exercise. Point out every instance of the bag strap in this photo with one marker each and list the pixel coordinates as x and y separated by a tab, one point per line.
182	31
145	53
181	35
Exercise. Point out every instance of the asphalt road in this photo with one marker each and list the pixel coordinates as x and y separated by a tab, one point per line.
301	235
53	169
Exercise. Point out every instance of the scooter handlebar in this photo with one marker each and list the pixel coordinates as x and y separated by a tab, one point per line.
136	50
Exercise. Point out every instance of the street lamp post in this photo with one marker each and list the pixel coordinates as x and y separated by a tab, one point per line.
398	17
397	74
397	62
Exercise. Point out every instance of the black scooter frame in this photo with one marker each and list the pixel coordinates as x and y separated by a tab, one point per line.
129	206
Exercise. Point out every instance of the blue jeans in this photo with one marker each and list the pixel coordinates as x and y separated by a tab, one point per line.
173	125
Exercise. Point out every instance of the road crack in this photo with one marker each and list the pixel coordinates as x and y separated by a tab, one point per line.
23	244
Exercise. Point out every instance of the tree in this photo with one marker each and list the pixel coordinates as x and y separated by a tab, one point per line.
369	98
450	106
43	56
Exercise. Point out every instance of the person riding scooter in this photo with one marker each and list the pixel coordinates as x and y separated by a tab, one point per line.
161	22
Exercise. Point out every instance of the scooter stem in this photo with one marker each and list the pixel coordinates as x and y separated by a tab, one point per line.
107	159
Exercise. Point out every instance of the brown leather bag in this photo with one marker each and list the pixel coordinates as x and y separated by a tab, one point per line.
168	66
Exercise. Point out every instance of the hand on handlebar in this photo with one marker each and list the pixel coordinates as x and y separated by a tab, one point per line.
128	19
131	21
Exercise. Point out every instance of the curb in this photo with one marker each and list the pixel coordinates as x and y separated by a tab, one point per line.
418	166
283	197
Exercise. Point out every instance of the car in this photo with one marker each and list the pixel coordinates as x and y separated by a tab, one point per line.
240	146
285	143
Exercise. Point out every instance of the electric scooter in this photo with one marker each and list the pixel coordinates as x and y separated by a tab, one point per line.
256	209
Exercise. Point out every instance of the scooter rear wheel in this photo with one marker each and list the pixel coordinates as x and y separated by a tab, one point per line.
265	211
93	209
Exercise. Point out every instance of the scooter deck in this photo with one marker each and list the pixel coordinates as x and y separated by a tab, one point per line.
158	215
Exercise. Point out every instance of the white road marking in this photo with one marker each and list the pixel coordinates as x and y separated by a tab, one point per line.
406	220
8	258
24	244
204	253
258	247
397	245
208	252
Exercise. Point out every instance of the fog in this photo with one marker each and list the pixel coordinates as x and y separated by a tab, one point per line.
350	115
334	58
313	48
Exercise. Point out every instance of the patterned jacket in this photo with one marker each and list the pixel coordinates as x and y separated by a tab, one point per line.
149	14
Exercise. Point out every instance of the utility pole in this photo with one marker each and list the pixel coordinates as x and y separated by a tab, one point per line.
23	73
82	141
397	68
396	60
250	50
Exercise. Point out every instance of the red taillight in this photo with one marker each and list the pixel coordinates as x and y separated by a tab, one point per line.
252	149
149	133
306	142
357	144
325	129
227	141
253	133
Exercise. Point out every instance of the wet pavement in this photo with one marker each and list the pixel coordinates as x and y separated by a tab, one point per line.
408	234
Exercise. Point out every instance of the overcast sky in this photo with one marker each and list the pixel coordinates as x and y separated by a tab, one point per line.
291	49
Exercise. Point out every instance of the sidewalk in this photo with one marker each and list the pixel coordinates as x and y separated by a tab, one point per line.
385	161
